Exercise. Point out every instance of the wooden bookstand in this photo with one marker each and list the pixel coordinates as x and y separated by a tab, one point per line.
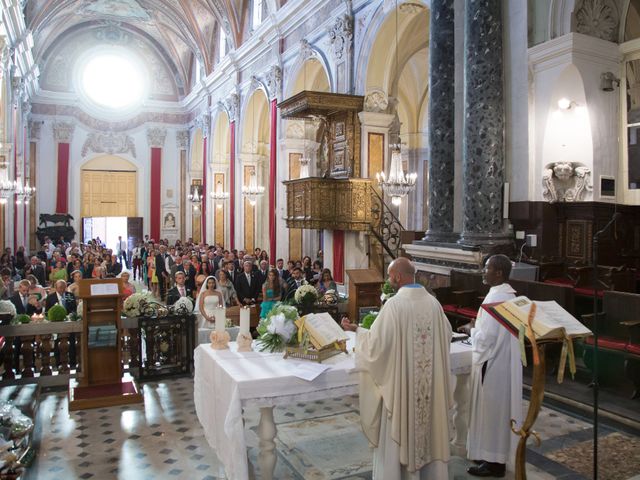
364	290
101	383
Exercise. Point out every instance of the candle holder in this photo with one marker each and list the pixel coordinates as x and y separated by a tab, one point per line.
244	342
220	340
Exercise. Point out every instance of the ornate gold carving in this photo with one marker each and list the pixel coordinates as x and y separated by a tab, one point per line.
324	203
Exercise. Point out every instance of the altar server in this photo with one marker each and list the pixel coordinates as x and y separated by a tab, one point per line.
405	397
496	381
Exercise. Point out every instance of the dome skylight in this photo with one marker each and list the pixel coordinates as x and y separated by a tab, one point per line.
113	81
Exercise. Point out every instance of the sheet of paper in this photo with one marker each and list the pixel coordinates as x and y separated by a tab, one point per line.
104	289
308	371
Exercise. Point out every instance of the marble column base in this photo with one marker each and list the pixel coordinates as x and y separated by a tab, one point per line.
440	237
485	239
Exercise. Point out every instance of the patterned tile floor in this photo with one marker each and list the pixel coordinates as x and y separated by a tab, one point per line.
163	440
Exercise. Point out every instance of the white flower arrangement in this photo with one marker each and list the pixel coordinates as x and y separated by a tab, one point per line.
306	293
183	305
132	304
7	307
279	328
79	309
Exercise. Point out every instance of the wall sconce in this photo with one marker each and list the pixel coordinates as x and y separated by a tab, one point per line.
607	81
565	104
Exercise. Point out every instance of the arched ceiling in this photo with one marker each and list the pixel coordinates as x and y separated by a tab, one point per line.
181	29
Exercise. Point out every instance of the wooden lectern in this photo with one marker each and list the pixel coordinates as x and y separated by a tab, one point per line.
364	290
100	381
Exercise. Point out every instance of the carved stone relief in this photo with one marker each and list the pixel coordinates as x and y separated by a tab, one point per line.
233	106
182	139
598	18
273	81
110	143
35	127
341	35
376	101
63	131
156	136
566	182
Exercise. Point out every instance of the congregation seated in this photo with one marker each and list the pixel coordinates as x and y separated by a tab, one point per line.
61	296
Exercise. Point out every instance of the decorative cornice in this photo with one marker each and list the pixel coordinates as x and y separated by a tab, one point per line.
63	131
109	143
156	136
182	139
104	125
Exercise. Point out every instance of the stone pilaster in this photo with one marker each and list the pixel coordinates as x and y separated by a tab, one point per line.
441	121
483	144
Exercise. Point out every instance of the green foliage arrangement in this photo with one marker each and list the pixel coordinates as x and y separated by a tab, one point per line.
57	313
368	319
23	318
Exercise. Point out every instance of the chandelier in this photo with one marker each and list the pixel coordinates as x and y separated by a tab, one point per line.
7	188
24	193
252	191
398	184
219	194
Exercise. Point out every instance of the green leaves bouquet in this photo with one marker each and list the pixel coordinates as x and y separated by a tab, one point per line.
278	329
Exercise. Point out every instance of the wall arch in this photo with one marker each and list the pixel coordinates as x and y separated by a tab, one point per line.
298	66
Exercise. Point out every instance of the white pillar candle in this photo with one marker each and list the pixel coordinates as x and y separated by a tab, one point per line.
220	316
245	315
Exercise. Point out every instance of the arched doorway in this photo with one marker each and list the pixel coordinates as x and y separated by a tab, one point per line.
195	183
255	160
220	176
108	187
398	67
302	143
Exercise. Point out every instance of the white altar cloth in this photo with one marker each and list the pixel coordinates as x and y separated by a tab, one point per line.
227	380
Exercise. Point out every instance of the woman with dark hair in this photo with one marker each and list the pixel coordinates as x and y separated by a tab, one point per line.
326	282
306	268
21	258
263	256
271	292
225	285
317	271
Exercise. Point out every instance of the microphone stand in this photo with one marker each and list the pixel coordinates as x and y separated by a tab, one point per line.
594	381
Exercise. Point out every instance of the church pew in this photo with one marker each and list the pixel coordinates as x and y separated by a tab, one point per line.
461	300
619	336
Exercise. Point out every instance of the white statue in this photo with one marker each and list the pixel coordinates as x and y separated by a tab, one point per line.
566	182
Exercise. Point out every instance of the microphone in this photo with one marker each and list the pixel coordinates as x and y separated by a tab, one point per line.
616	216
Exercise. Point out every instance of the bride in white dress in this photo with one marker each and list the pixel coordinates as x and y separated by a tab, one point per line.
209	299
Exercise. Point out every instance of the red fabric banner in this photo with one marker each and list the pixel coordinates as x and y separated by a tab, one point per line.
62	199
232	185
273	181
338	256
204	190
156	189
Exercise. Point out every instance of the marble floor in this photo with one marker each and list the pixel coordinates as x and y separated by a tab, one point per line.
162	439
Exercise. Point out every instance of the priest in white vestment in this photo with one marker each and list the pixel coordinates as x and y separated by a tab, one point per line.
496	381
405	396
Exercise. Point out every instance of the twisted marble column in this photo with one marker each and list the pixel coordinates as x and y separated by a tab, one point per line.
483	143
441	121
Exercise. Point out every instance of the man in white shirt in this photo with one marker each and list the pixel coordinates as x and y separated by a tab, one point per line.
121	249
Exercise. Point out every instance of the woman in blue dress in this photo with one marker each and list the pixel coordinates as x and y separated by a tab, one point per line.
271	292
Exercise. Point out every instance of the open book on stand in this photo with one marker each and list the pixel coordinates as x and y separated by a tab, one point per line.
551	323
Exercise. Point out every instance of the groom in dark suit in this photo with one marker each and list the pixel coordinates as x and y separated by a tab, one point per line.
179	290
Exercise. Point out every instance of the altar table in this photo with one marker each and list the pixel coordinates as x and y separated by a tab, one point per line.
226	381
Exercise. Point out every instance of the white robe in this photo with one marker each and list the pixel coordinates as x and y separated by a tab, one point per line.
498	398
404	364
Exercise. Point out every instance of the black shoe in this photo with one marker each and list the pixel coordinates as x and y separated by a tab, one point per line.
478	462
487	469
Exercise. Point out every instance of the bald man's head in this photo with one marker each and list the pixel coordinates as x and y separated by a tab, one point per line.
401	272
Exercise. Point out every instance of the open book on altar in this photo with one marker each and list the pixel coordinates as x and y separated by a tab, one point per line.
322	329
551	321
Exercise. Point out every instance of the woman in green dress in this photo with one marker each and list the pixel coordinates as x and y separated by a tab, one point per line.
271	292
59	272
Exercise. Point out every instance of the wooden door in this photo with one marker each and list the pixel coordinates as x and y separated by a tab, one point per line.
106	193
